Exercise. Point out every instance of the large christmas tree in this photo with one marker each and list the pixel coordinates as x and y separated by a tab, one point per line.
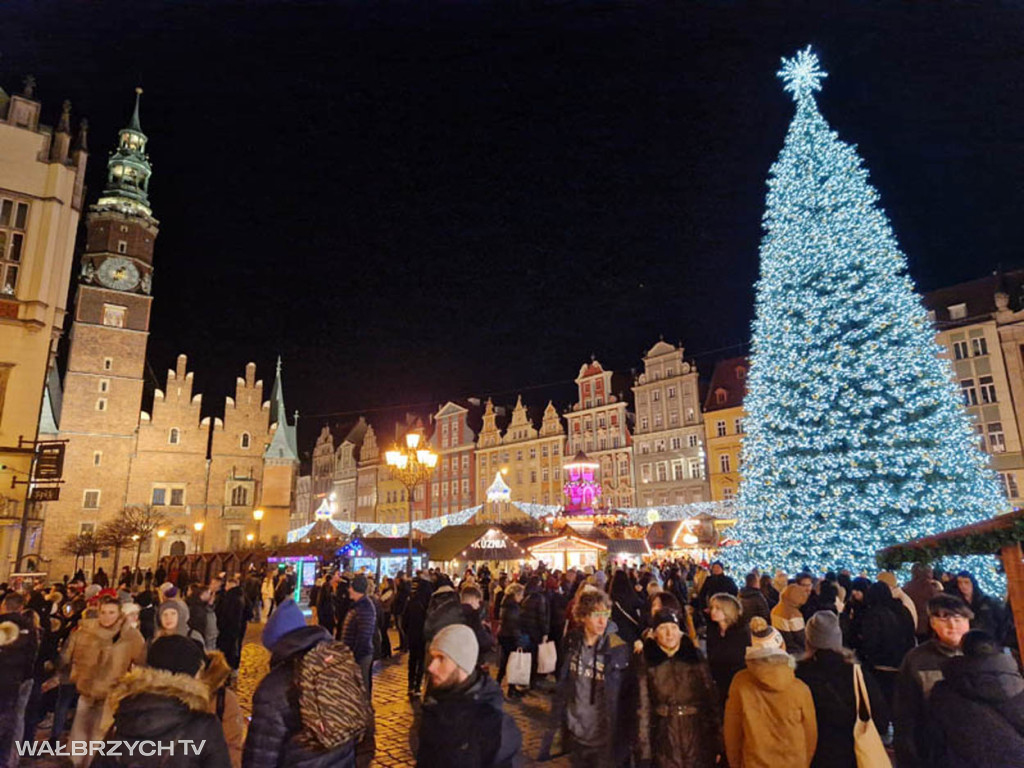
856	436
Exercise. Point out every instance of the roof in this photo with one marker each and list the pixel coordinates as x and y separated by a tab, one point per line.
628	547
975	539
978	295
284	444
662	534
725	377
448	542
383	546
567	541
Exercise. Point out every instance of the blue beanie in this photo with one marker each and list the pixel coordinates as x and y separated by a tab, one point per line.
286	618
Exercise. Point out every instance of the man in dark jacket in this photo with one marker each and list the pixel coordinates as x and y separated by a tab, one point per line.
360	624
989	613
443	610
413	619
165	702
463	724
922	668
471	599
19	644
231	622
325	604
976	713
715	583
753	600
276	722
402	591
253	590
535	620
595	702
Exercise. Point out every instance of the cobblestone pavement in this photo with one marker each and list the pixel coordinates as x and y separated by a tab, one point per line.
394	712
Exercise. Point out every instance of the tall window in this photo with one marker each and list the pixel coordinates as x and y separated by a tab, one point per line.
696	469
725	463
159	497
239	496
691	440
13	222
969	393
720	428
662	472
727	494
677	443
996	439
960	350
739	426
988	389
671	392
177	497
979	346
91	499
244	440
174	437
1009	485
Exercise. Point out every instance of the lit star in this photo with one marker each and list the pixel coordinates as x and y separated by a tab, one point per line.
801	74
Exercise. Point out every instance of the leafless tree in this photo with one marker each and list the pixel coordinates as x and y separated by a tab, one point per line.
80	546
142	520
115	534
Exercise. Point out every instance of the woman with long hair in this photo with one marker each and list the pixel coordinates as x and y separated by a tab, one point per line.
627	608
727	640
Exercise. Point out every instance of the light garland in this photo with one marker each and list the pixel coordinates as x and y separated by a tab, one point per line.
856	437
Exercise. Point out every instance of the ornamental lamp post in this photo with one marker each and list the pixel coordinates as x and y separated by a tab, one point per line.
411	466
257	515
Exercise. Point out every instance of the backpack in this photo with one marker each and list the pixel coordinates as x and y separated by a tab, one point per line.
332	698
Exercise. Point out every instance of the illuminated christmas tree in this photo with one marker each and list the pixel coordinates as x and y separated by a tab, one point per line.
856	437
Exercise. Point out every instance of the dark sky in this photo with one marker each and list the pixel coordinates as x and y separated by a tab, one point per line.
416	201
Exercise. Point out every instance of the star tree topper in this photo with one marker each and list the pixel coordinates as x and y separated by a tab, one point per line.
801	74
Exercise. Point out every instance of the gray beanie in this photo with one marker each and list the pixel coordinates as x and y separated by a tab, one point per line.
458	642
823	631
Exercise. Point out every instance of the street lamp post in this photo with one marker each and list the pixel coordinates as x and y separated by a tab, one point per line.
257	515
198	526
160	544
411	466
249	538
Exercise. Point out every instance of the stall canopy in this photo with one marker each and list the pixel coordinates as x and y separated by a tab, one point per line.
472	543
568	551
627	547
1001	535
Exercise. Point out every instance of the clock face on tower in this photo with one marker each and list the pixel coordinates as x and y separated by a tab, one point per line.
118	273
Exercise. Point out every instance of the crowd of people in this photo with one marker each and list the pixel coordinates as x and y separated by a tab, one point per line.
669	664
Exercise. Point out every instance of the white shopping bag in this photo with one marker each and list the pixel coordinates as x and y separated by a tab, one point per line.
518	671
547	657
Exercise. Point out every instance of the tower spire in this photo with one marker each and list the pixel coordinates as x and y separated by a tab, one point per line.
284	444
128	170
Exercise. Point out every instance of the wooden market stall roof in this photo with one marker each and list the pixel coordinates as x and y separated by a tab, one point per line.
463	542
1000	535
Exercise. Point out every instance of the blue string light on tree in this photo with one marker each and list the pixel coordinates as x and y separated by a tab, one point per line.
855	433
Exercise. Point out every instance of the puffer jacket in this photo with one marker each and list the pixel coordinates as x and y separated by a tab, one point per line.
466	727
156	705
680	722
754	604
976	714
511	620
769	717
442	611
535	616
787	618
276	724
19	645
224	704
98	656
360	625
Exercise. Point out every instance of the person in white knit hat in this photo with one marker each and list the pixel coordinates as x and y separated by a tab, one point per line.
769	714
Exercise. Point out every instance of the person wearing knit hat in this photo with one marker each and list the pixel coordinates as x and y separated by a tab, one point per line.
286	618
828	671
462	720
769	714
358	629
172	618
166	697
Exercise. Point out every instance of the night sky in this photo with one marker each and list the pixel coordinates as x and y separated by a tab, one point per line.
412	202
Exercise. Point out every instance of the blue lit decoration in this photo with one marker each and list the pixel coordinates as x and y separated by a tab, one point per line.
720	510
855	433
352	548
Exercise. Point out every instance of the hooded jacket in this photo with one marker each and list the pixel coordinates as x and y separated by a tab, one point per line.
156	705
224	704
787	618
466	727
680	721
536	615
442	611
769	717
886	629
276	723
19	644
98	656
921	670
977	714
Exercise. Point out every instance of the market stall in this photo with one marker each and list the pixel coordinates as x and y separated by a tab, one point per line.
568	551
457	546
381	556
697	538
1000	536
627	552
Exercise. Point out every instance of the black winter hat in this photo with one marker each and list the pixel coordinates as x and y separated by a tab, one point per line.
176	653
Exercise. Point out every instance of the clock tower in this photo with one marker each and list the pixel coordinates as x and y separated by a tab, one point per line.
102	393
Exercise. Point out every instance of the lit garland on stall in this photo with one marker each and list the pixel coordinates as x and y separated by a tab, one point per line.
429	526
855	433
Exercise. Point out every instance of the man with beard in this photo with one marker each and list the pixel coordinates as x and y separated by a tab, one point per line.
463	723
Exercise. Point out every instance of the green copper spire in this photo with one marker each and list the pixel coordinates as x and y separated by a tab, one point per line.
128	169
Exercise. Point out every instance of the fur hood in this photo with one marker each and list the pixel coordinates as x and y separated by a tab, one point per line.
190	691
217	671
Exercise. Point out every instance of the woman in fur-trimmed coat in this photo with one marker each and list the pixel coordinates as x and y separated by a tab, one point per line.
166	702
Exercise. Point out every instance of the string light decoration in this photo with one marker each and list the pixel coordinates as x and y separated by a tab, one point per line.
855	434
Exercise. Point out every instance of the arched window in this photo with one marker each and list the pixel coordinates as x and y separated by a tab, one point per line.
178	549
245	440
174	436
239	496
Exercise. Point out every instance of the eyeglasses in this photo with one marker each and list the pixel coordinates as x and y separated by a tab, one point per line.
601	614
